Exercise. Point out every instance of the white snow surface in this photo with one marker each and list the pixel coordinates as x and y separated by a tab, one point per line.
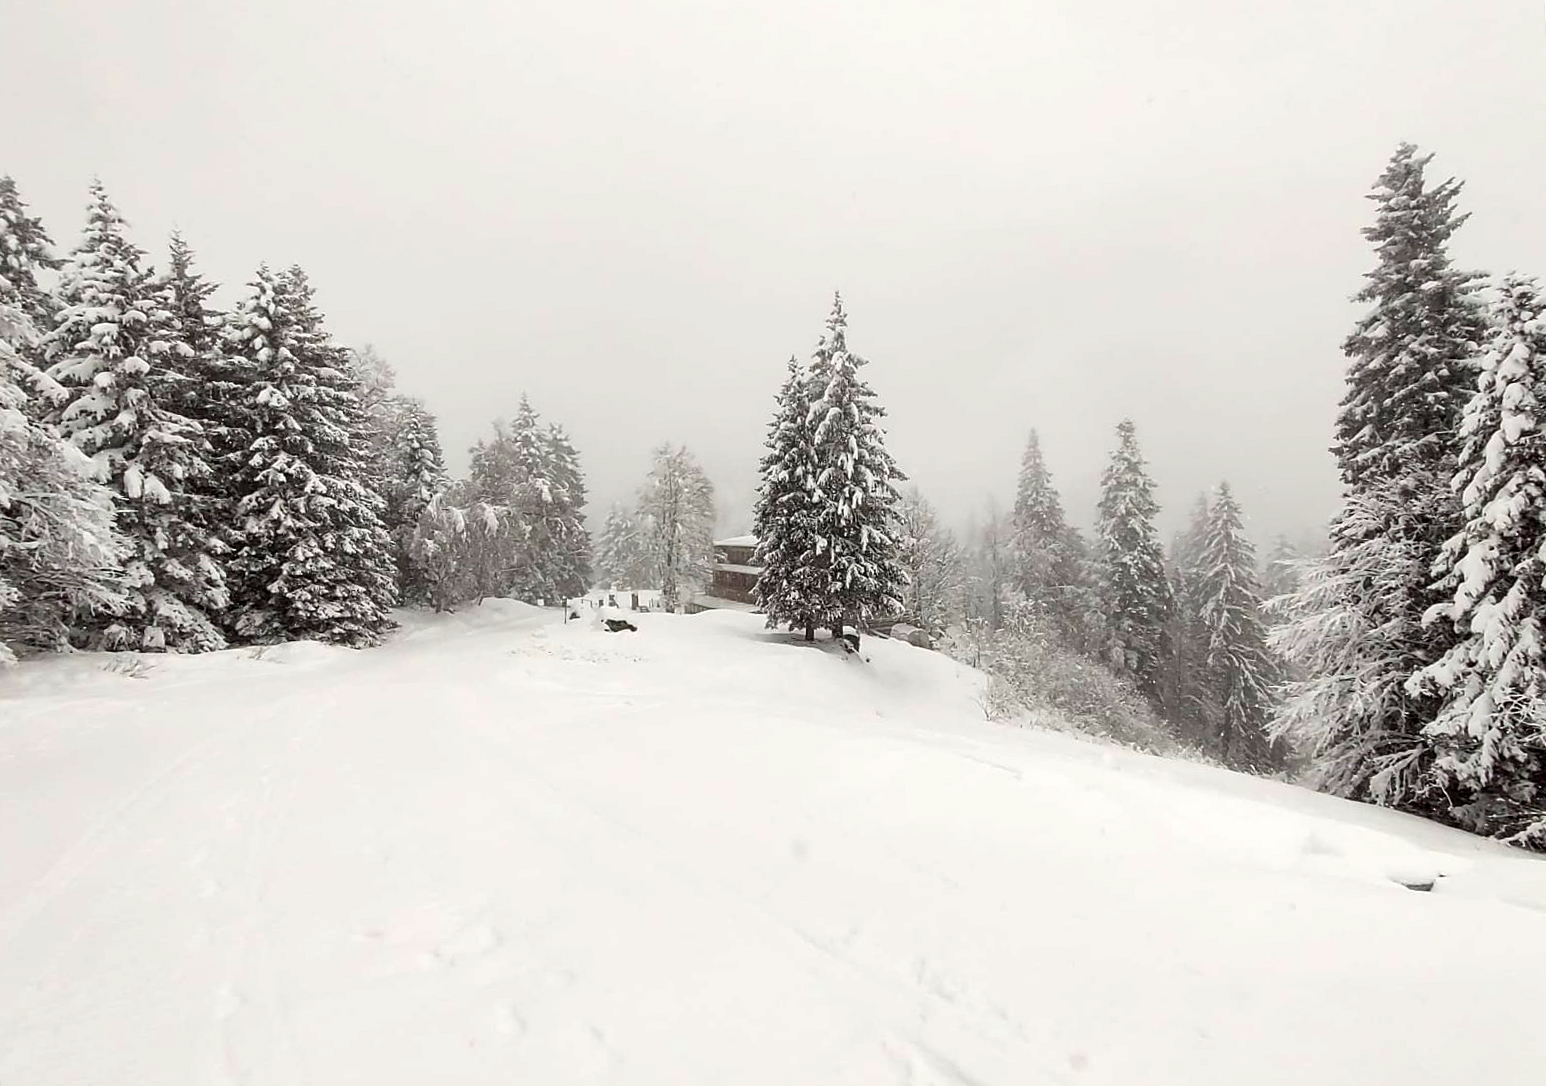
502	849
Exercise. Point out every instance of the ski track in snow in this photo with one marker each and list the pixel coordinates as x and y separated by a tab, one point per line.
501	849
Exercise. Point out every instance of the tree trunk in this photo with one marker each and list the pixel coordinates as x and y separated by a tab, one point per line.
810	631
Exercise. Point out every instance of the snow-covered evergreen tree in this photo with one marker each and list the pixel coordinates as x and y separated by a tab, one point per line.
1350	651
310	558
193	383
531	473
1490	729
59	552
572	556
415	473
1135	591
117	352
1280	572
462	551
187	294
1188	695
623	553
1049	560
677	509
1239	667
784	517
931	557
1410	373
381	411
25	250
1410	370
856	480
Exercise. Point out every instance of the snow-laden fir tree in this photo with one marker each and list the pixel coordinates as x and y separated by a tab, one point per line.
1280	572
25	250
788	589
676	507
193	383
310	557
381	409
930	555
1188	695
520	471
1490	728
1410	372
1239	667
1049	557
572	556
59	552
415	472
461	548
117	352
536	501
623	552
855	491
1135	591
186	293
1410	356
1346	707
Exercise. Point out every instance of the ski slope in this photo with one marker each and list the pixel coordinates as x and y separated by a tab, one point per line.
502	849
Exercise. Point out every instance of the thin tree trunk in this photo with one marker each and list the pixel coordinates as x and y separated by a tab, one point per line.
810	631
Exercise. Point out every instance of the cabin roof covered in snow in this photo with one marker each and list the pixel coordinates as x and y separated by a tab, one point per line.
737	541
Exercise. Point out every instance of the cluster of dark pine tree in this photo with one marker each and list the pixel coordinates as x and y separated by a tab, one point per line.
1415	642
173	477
827	516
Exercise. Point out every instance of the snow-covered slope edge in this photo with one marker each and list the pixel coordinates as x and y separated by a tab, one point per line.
505	849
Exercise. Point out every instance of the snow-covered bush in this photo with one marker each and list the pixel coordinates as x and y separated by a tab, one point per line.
1027	662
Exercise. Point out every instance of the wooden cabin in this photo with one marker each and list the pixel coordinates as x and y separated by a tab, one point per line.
735	577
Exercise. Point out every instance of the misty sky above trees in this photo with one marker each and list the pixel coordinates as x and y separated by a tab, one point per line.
1047	213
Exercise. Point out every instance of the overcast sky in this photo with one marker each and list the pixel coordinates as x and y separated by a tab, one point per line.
1041	213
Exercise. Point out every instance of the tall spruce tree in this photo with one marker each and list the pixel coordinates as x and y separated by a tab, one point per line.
25	250
1239	667
537	484
572	554
1410	373
415	474
536	500
193	383
855	491
1134	588
784	517
1189	695
1050	567
1490	728
310	558
59	551
117	352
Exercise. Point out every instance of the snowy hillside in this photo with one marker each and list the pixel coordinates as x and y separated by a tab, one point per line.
506	850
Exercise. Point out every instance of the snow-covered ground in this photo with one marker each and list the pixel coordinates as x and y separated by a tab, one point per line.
507	850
